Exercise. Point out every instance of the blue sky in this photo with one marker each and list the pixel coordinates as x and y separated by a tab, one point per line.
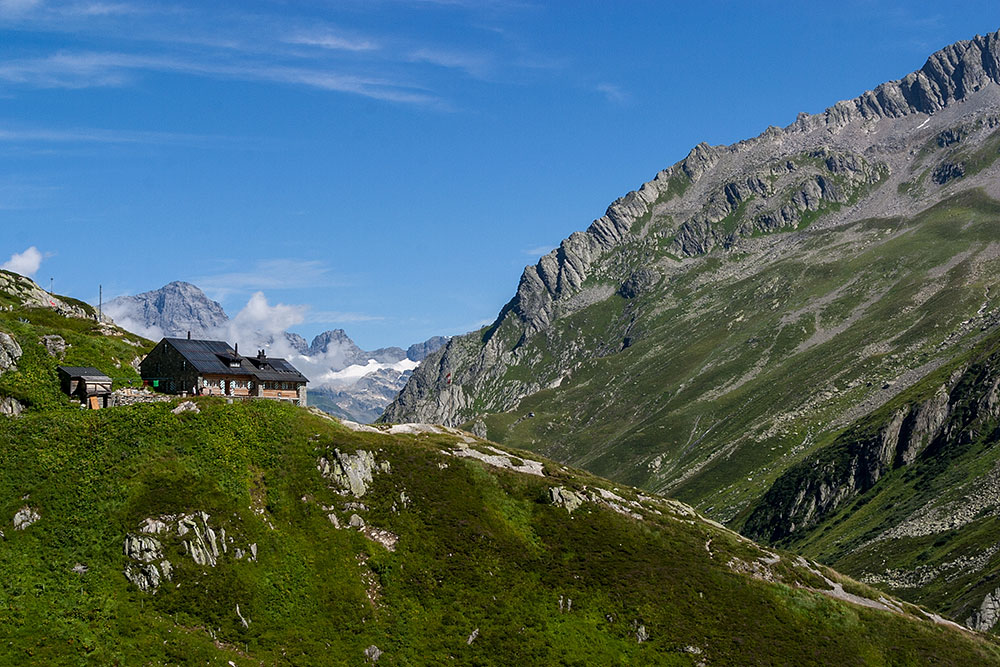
389	166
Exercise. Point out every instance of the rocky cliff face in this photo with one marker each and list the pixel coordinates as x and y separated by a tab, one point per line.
815	488
173	310
853	159
909	497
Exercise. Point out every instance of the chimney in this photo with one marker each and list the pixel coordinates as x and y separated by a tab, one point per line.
189	335
260	354
237	349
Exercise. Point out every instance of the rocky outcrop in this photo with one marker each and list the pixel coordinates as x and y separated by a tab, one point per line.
186	406
776	198
350	473
10	407
984	618
188	535
815	488
25	516
563	497
55	345
10	352
29	295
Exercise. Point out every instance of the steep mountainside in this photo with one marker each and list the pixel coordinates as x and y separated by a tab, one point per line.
711	324
731	317
259	532
907	498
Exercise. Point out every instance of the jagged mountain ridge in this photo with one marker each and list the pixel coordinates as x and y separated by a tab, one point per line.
731	317
950	75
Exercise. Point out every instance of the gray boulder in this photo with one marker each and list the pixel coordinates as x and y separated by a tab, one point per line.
10	352
351	472
54	345
10	407
25	517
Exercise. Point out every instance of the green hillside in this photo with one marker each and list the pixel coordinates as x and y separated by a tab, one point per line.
261	533
907	497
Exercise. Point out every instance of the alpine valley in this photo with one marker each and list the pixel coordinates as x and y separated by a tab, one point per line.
749	416
796	334
201	531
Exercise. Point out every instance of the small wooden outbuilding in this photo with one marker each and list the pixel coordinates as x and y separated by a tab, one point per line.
86	383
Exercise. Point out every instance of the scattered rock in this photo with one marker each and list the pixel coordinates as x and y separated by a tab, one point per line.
351	472
80	568
560	495
479	429
54	345
186	406
25	517
143	549
372	654
356	522
472	637
641	634
10	407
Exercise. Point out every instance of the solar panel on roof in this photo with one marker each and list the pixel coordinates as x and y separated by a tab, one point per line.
213	357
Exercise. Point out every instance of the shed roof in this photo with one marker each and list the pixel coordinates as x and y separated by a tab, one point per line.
84	373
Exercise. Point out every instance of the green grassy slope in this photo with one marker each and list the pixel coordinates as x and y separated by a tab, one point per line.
478	548
732	374
478	551
926	530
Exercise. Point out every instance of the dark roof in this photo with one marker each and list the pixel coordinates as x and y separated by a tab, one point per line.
275	369
85	373
213	357
210	356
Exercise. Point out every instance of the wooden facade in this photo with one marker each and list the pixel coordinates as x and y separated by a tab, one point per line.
89	385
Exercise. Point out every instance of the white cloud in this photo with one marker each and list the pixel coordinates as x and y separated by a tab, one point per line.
26	263
340	317
17	6
260	316
538	250
77	70
101	136
613	93
473	64
268	274
332	41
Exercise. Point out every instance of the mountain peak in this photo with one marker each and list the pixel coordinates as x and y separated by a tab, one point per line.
173	310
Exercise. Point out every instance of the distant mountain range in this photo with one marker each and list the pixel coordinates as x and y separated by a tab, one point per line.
345	380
